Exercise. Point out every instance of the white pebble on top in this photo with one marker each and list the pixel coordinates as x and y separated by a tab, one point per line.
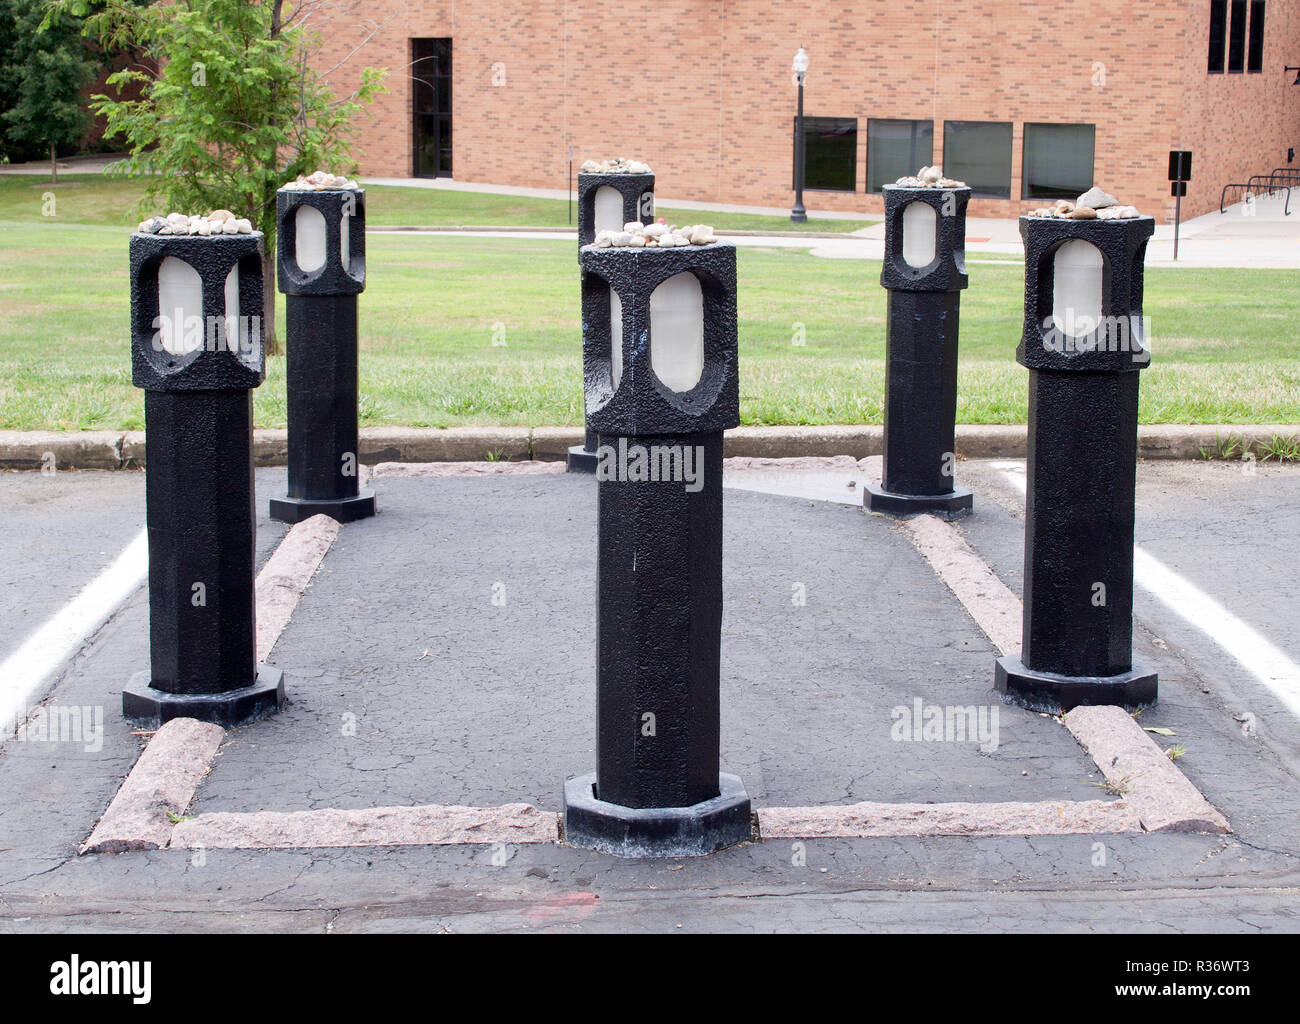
318	181
218	222
929	177
619	165
1095	204
659	235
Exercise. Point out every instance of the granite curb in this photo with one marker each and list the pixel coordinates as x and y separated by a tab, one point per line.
102	449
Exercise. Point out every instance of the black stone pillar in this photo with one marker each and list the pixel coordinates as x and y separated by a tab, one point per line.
924	307
321	360
1079	508
638	194
657	790
199	483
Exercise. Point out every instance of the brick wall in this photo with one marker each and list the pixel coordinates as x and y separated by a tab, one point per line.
703	91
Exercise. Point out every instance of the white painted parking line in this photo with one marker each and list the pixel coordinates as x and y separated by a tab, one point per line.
1251	649
25	672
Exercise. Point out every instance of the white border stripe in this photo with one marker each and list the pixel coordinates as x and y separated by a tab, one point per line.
1250	648
24	672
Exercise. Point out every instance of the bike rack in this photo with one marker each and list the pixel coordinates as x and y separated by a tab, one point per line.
1249	187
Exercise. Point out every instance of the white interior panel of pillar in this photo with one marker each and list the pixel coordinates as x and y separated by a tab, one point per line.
615	336
345	241
1076	288
677	332
234	337
180	306
609	209
309	245
920	230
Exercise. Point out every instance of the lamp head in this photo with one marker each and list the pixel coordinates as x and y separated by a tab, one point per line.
800	64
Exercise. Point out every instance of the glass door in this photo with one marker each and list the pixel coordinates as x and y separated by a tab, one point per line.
431	95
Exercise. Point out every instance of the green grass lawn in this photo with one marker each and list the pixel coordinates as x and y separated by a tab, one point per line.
101	199
1224	340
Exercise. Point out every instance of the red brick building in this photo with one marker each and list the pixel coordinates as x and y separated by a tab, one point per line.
1024	100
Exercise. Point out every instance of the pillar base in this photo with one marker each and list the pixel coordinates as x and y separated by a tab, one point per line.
1052	693
345	510
150	707
694	831
581	460
957	503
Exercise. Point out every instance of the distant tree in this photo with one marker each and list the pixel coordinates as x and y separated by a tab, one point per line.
229	107
44	74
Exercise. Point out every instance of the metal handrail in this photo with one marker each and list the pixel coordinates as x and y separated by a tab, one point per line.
1249	187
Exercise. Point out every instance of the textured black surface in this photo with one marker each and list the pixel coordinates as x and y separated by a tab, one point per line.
952	505
919	453
214	368
659	542
659	601
150	707
332	278
1123	246
1081	488
1052	693
1079	516
321	391
1079	522
582	459
923	322
345	510
948	271
201	524
722	821
642	404
632	187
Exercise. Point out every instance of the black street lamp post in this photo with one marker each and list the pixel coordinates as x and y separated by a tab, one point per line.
1084	346
798	214
197	352
322	269
662	386
924	272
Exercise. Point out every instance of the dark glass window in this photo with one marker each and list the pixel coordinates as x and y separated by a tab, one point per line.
979	153
1237	37
1255	56
1057	160
896	148
830	147
431	104
1218	34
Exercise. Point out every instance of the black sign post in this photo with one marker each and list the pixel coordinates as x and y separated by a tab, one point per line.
1180	173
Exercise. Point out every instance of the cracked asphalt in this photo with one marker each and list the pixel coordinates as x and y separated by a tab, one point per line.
409	685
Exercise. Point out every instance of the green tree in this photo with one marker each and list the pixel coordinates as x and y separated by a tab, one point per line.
45	73
229	105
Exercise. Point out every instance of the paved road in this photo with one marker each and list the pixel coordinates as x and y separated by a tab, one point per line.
805	698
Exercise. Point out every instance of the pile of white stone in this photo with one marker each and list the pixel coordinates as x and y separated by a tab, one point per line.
929	177
318	181
660	235
218	222
619	165
1092	205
